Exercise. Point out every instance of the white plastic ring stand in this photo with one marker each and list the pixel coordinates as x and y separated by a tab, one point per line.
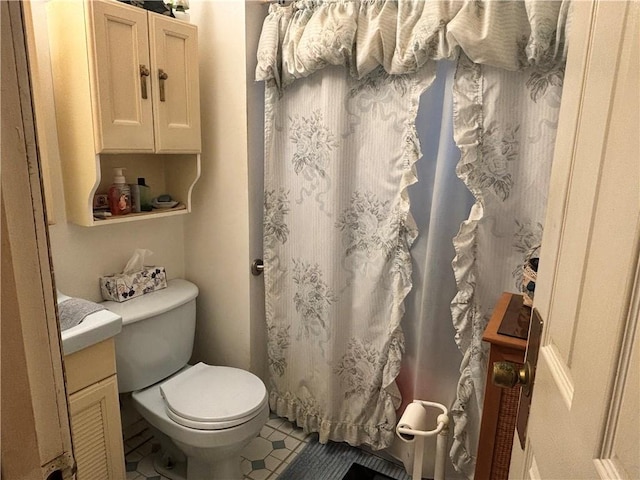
417	436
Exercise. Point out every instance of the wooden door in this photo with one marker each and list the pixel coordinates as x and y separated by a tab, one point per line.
119	56
176	98
34	425
584	419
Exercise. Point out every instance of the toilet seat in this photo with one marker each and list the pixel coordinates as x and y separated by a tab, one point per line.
207	397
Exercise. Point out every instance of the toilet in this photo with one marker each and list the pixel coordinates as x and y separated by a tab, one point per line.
210	413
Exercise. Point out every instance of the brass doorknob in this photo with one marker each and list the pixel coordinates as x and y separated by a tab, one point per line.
508	375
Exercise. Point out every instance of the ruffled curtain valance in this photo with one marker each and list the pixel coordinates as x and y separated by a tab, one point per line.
403	35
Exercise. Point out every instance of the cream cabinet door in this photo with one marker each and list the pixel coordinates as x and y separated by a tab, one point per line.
119	59
176	94
95	429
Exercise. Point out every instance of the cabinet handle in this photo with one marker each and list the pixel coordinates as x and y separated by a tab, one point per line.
162	76
144	73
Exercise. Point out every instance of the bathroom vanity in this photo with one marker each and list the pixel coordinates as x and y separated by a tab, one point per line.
92	390
92	393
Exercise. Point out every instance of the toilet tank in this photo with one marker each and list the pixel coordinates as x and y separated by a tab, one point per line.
157	334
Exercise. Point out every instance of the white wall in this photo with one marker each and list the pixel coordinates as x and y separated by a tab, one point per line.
256	11
82	254
217	232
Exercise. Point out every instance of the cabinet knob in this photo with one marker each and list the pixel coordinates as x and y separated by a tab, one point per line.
162	76
144	73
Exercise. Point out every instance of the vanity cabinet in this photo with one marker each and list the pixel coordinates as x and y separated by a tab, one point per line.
126	90
94	412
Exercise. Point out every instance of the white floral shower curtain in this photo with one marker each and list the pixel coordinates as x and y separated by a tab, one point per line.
340	147
337	237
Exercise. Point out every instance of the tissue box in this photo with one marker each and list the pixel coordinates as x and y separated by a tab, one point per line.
121	287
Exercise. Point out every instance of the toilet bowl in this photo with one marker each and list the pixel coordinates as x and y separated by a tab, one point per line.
210	413
212	447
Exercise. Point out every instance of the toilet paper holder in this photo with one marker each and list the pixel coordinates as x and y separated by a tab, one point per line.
410	429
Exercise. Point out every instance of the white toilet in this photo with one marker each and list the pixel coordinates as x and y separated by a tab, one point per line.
210	413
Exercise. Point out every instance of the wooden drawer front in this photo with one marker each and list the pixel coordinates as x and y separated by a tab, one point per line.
90	365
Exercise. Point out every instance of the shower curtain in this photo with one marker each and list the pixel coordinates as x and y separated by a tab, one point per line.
337	237
340	148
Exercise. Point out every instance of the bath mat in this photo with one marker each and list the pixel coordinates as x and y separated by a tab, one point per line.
333	461
360	472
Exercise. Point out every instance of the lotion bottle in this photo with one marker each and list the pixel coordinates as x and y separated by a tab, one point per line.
145	195
119	194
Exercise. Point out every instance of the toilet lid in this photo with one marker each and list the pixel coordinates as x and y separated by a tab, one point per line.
209	397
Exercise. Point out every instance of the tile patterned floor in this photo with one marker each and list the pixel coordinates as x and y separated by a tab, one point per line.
264	458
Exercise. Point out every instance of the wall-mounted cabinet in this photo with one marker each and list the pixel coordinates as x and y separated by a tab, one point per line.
126	90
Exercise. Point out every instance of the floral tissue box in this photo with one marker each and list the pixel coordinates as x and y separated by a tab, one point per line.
121	287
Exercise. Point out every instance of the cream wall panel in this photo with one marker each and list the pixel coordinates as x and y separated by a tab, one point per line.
81	254
217	232
256	12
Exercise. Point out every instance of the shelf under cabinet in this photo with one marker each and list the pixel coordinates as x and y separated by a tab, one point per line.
180	209
173	174
105	103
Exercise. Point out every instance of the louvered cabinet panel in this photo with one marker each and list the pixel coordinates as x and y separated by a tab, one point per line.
95	430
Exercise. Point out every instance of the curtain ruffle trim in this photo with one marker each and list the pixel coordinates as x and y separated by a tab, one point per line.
403	35
409	232
462	459
376	435
468	128
411	153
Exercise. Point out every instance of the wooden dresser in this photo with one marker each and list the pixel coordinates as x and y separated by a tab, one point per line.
506	332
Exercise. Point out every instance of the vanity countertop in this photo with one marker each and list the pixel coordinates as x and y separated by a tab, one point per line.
94	328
